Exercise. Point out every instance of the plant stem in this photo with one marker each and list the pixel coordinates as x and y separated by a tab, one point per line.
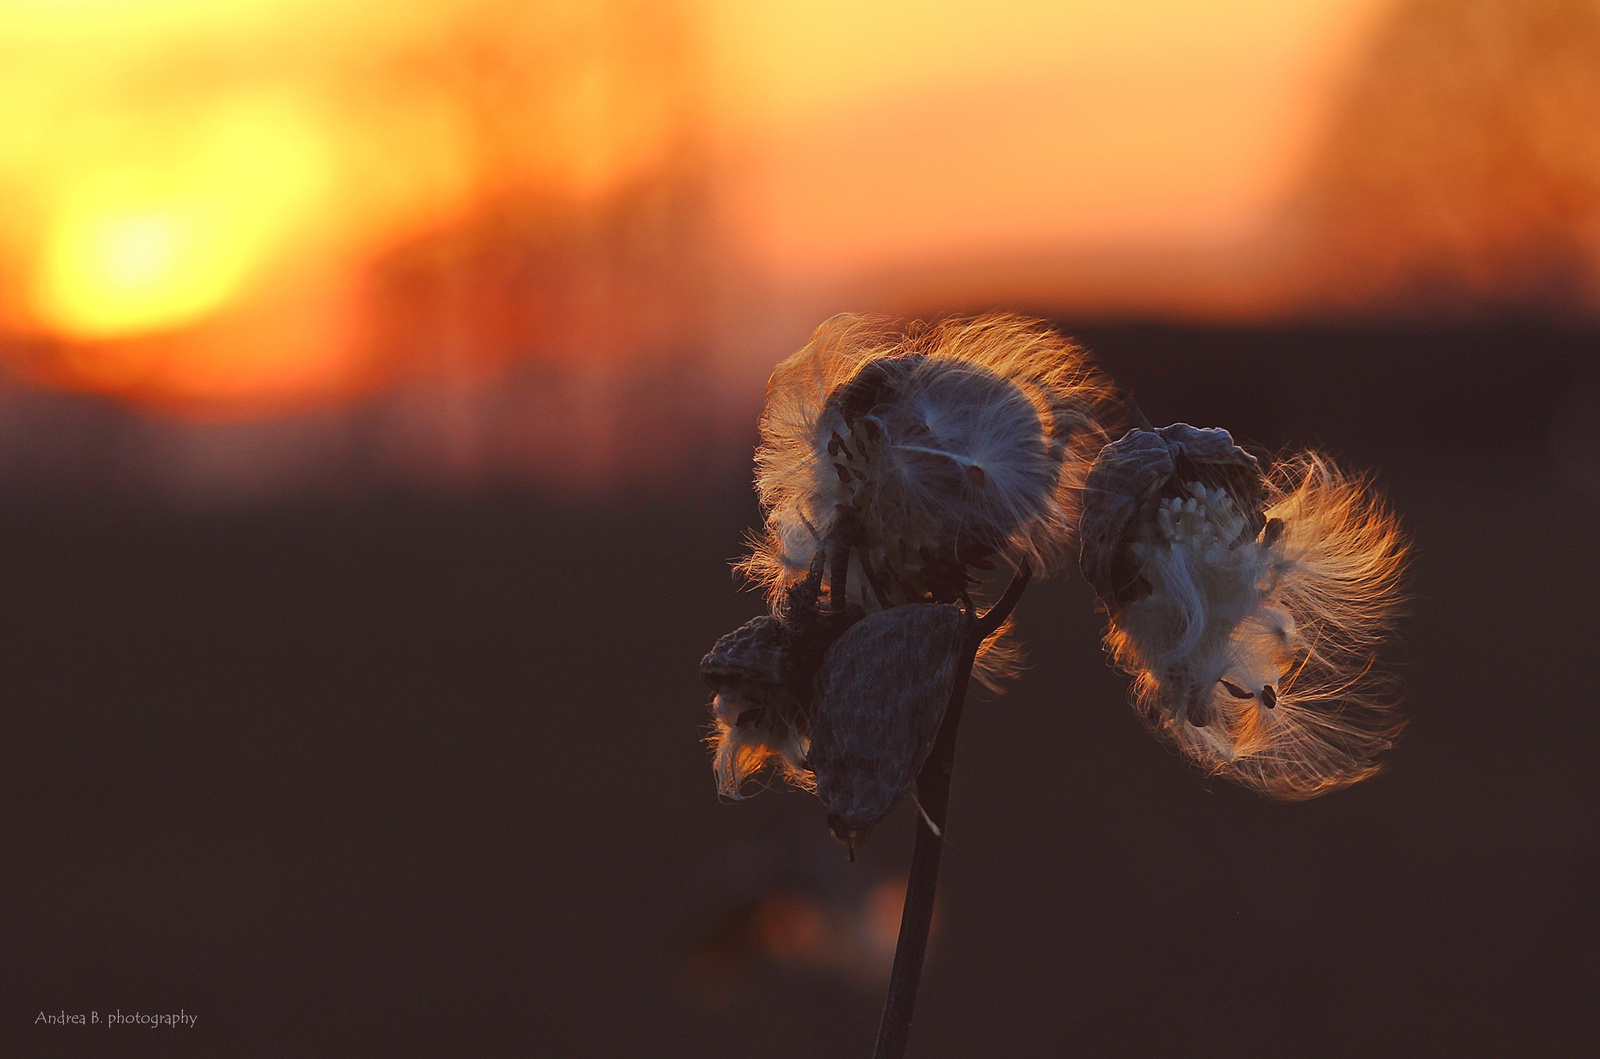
839	572
933	795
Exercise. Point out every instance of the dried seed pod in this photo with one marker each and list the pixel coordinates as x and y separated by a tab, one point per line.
879	698
762	673
754	652
1247	605
937	463
1131	477
933	448
756	716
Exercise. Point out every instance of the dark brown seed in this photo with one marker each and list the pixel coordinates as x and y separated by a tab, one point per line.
1236	691
1269	697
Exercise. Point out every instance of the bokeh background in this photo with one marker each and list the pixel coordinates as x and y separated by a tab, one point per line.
378	386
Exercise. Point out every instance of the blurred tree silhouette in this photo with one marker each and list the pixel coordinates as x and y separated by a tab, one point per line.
1462	172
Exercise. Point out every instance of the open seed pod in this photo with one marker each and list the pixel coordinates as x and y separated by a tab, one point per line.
1248	607
927	449
1130	479
756	716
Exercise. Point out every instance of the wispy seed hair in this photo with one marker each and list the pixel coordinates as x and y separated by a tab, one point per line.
1006	415
1294	619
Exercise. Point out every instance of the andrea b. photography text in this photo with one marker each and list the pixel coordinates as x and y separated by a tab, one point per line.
147	1019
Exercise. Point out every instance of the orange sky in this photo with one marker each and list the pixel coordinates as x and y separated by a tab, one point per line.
889	133
193	189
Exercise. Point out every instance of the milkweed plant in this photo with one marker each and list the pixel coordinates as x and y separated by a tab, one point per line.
916	477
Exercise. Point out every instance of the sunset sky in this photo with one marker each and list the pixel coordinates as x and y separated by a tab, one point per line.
197	192
892	132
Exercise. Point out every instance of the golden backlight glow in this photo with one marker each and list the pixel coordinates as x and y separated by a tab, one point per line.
238	206
134	250
194	193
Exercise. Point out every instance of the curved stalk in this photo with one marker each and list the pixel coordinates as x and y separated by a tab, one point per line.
933	794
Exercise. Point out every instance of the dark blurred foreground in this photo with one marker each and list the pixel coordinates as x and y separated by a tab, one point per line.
403	773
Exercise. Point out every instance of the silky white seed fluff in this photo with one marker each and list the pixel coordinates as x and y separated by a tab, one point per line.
982	441
955	455
941	448
740	751
1256	656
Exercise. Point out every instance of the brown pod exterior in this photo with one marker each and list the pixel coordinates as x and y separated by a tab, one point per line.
756	651
879	697
1134	474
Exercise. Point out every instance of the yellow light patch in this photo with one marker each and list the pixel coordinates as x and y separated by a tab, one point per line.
153	247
